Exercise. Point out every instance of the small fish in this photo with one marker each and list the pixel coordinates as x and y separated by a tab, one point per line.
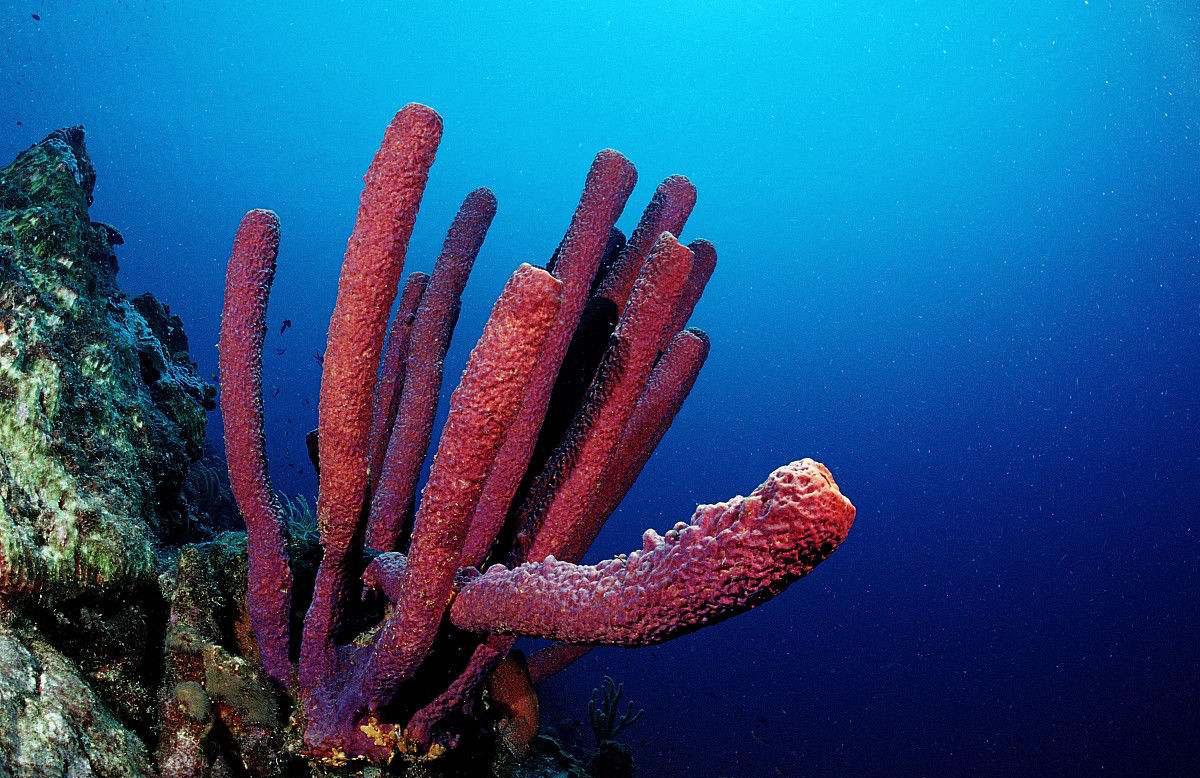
280	352
36	17
319	358
284	327
275	393
20	123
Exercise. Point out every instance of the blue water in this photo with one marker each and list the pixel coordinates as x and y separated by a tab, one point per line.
958	263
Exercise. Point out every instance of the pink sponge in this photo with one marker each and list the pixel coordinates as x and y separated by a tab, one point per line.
730	557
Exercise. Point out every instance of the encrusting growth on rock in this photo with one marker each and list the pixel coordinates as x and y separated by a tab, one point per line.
102	424
575	379
101	411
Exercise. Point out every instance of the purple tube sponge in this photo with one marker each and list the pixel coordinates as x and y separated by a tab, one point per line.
576	377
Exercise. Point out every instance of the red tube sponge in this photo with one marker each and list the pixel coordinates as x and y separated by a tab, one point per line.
729	558
607	187
428	342
481	409
577	376
243	328
391	373
562	496
371	272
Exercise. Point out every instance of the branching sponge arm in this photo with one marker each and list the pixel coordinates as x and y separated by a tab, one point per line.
730	557
243	328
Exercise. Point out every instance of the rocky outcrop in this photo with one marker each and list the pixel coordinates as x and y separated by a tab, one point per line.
52	723
99	418
219	710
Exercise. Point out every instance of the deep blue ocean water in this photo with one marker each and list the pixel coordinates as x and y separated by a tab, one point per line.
958	263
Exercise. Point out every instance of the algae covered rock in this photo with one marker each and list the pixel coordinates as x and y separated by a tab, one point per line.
220	713
51	723
101	411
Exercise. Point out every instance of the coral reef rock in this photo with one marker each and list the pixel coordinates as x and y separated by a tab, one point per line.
217	706
51	723
99	419
102	415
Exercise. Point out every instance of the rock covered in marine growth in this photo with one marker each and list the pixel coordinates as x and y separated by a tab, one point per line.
220	712
101	410
51	721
